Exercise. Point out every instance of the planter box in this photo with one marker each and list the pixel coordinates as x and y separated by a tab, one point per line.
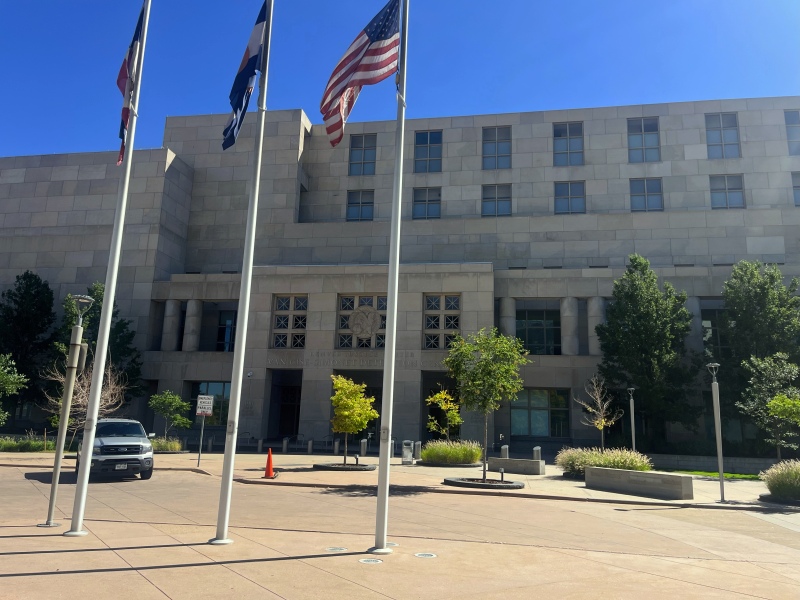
651	484
679	462
519	466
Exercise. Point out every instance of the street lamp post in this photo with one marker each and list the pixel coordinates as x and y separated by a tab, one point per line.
712	368
75	362
633	423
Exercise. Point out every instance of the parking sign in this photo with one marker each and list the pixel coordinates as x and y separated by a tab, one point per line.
205	406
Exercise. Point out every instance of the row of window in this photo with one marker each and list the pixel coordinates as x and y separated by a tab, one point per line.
727	191
643	134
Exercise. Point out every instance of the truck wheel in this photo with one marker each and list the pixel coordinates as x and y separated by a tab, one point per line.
146	474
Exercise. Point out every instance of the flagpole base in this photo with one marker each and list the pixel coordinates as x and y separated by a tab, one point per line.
379	550
79	533
49	524
220	542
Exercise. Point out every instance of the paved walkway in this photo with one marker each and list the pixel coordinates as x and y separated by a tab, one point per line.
147	538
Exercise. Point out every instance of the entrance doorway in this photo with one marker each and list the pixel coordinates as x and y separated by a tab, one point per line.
284	414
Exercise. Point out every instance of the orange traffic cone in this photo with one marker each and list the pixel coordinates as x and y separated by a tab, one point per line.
269	473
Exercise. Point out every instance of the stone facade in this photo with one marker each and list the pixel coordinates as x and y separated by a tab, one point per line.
184	238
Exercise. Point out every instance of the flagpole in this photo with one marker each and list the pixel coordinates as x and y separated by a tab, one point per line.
101	351
382	512
226	485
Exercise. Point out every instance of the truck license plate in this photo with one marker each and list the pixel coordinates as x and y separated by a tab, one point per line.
120	466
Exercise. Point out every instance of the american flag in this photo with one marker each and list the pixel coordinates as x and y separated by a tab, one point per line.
126	82
371	58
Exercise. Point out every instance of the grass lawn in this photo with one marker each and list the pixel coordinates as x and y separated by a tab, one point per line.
715	475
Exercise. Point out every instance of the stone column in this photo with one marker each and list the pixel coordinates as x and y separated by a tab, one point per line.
172	325
508	316
694	341
191	330
569	326
596	309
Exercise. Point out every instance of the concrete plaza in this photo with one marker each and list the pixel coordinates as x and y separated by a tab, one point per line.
304	535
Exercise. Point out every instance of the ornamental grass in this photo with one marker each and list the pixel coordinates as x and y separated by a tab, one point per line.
166	445
452	452
783	480
575	460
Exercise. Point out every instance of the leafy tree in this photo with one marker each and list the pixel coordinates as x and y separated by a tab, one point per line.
352	409
600	413
643	345
451	410
768	378
784	407
486	370
11	382
172	408
122	354
26	321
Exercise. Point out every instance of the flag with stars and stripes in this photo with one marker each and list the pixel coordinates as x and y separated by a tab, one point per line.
126	82
371	58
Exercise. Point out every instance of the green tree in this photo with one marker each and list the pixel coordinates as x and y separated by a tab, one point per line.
785	407
643	346
26	321
600	413
123	355
485	367
768	378
11	382
172	408
352	409
451	410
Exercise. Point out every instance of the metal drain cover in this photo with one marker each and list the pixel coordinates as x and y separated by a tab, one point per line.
425	555
336	549
370	561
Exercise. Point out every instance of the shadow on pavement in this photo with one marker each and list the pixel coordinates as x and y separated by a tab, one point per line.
71	477
358	491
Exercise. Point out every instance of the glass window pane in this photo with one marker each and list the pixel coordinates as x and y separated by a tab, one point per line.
559	423
562	205
560	145
421	152
490	134
488	208
651	124
355	169
717	182
366	212
796	178
504	133
575	144
356	141
576	129
729	119
504	207
576	158
731	150
539	398
730	136
797	197
435	137
793	133
715	151
434	194
635	156
638	203
651	140
421	137
652	155
352	213
734	182
489	148
635	141
794	148
578	205
504	191
369	168
719	200
712	121
504	148
735	199
420	194
434	211
576	188
369	154
503	162
634	126
418	211
539	423
435	152
714	136
562	189
792	117
560	160
653	186
559	130
435	166
519	422
370	141
655	202
489	163
420	166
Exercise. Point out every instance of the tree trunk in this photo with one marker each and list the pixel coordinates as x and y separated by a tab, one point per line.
485	443
345	449
779	451
602	439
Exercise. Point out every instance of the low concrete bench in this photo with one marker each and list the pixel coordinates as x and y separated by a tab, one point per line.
651	484
520	466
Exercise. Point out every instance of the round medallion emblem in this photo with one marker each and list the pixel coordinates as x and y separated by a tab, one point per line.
365	321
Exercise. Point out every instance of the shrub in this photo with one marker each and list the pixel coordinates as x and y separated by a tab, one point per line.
452	452
9	444
783	480
575	460
166	445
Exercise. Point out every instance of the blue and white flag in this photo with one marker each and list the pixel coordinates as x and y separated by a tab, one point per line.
246	79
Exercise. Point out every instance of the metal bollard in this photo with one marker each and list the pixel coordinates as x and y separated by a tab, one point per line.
311	446
394	448
210	445
504	451
418	450
502	475
260	446
336	446
356	458
285	445
363	447
537	453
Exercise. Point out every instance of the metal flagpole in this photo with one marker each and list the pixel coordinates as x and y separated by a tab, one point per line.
382	513
244	298
99	368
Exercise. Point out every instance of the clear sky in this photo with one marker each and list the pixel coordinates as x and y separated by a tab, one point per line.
59	59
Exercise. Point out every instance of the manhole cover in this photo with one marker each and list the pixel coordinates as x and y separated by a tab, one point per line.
370	561
425	555
336	549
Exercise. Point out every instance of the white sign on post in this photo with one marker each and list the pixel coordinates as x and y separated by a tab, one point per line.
205	406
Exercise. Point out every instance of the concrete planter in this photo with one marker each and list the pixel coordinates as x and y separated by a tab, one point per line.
651	484
679	462
520	466
491	484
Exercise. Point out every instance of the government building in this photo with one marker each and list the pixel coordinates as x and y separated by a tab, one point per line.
521	221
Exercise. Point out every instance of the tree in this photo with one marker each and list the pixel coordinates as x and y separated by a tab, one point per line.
11	382
451	410
784	407
600	412
26	321
122	354
486	370
643	346
172	408
352	409
768	378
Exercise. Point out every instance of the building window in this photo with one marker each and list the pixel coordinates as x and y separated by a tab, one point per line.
442	320
540	413
792	118
643	140
715	342
796	187
539	329
496	148
360	322
362	154
226	330
496	201
221	390
646	195
428	152
360	205
570	197
289	322
727	191
567	144
722	135
427	203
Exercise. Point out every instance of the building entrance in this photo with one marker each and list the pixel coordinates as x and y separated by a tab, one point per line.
284	414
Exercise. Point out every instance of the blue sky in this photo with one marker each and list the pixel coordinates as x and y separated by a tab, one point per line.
59	60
